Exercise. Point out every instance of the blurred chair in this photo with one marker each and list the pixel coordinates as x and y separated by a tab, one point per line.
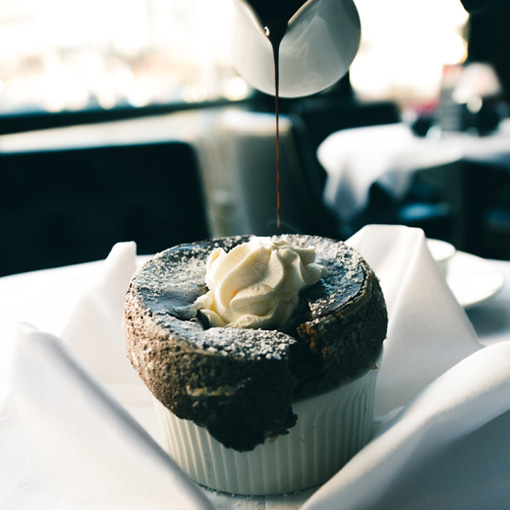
68	206
497	237
486	199
423	206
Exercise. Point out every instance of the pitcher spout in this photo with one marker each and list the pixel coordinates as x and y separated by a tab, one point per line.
318	42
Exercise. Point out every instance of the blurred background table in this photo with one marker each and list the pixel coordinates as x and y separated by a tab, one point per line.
454	185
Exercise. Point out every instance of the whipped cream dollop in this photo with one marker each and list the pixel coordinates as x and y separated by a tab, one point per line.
257	284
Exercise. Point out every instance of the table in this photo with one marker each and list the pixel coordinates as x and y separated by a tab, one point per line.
46	298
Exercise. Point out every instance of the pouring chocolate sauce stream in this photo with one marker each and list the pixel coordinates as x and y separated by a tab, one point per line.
275	17
275	34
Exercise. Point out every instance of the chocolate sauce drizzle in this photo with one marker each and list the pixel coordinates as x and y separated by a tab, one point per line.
275	16
275	32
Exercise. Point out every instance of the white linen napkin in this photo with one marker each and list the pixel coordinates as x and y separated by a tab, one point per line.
68	443
442	440
448	449
65	441
354	159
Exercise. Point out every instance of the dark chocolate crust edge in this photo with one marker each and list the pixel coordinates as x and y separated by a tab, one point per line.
348	339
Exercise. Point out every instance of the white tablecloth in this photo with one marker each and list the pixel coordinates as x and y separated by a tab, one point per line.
354	159
71	434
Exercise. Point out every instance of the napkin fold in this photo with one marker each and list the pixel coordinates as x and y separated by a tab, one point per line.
447	449
428	332
67	443
94	330
443	401
354	159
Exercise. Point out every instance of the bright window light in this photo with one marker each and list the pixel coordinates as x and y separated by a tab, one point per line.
58	55
405	44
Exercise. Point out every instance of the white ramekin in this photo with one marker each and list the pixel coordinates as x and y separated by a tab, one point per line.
331	428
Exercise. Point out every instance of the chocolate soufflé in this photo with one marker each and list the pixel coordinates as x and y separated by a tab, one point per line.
240	383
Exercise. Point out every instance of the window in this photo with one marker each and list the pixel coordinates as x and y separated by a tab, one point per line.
405	45
57	55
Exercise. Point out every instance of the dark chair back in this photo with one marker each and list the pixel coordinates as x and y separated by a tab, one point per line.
69	206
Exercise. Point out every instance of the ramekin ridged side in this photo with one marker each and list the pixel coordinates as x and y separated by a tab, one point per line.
331	428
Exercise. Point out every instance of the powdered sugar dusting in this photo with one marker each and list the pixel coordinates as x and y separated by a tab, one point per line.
249	343
171	281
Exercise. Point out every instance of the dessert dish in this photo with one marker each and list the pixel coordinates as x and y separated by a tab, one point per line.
282	401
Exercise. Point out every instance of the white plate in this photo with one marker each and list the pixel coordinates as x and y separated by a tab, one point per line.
472	279
442	252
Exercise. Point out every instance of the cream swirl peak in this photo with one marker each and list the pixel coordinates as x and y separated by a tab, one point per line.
257	284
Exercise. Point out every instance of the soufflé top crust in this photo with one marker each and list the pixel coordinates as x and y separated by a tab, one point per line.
240	383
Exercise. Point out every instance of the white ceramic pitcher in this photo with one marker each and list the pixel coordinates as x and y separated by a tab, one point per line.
320	43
